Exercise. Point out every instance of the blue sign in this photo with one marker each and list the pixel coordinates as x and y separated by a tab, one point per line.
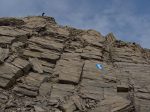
99	66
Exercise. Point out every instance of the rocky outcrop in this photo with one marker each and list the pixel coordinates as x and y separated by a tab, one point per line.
11	22
45	67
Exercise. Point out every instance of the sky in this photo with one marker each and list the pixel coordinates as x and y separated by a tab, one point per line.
129	20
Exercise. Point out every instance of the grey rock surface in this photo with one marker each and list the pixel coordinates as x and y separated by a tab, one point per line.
45	67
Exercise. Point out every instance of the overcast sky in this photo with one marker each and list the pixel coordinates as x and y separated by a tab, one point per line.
129	20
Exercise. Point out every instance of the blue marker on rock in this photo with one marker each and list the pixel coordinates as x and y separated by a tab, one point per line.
99	66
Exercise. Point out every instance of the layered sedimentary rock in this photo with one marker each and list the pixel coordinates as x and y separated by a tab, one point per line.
45	67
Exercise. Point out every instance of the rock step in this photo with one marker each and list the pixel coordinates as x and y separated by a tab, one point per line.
22	64
48	56
9	73
66	67
4	53
31	84
44	43
36	65
6	41
10	31
91	53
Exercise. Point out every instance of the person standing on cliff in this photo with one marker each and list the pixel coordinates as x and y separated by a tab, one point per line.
43	14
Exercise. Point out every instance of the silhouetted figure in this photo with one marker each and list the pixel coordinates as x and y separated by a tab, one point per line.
43	14
134	43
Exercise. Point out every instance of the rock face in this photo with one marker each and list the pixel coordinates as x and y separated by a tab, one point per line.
45	67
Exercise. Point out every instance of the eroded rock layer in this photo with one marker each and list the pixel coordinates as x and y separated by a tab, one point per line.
45	67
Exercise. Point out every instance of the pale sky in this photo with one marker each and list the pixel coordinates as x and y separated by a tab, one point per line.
129	20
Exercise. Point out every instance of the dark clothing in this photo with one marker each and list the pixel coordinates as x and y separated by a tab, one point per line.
43	14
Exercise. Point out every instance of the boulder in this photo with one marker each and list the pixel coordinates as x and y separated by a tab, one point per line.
110	38
22	64
45	89
8	74
25	91
4	53
6	40
69	106
64	70
52	45
36	65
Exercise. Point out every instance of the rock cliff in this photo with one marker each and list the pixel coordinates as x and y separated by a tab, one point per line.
46	67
